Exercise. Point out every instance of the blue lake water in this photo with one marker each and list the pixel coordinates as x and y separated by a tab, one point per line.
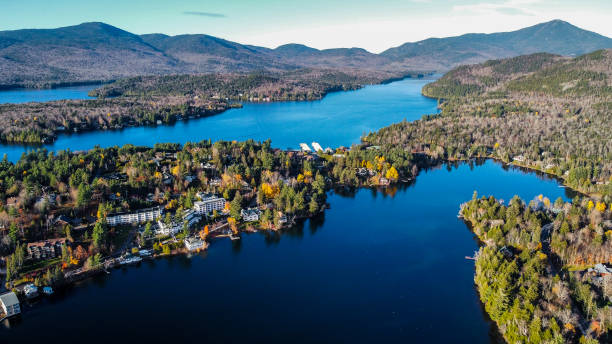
340	118
375	268
29	95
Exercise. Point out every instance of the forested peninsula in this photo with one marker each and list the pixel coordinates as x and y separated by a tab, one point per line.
541	273
537	272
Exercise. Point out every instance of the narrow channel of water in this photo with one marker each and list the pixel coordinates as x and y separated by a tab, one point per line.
18	96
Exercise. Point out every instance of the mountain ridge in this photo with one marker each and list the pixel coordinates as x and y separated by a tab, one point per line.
99	51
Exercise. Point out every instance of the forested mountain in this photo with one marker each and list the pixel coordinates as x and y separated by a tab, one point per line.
91	51
557	37
98	51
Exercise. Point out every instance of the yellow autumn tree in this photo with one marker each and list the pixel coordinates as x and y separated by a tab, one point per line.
600	206
590	205
270	191
392	173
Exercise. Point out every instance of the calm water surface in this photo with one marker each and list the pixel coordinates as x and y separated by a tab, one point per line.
29	95
375	267
339	119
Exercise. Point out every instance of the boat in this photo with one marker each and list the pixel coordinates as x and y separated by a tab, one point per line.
47	290
30	291
130	260
145	253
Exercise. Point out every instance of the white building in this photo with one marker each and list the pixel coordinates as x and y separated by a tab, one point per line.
190	217
139	216
194	244
250	214
317	147
10	304
208	204
171	229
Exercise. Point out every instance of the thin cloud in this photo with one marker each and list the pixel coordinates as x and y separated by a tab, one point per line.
511	7
205	14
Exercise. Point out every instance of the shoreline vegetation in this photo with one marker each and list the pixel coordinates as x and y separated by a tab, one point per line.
155	100
68	199
531	269
541	111
546	113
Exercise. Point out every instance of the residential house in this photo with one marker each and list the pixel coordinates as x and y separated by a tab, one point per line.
10	304
194	244
282	218
46	249
139	216
215	182
250	214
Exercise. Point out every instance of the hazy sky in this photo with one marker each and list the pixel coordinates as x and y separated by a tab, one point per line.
371	24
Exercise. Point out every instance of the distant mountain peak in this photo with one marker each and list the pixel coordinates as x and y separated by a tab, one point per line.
99	51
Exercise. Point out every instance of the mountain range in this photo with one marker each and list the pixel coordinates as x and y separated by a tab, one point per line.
100	52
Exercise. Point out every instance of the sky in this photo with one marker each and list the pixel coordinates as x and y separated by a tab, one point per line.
371	24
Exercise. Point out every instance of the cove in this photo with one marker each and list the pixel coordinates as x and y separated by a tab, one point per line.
17	96
339	119
378	266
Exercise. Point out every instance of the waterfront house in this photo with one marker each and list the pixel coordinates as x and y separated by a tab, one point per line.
10	304
139	216
519	158
282	218
208	203
194	244
46	249
250	214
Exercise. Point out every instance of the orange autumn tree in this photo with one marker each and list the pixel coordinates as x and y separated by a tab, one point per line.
204	233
